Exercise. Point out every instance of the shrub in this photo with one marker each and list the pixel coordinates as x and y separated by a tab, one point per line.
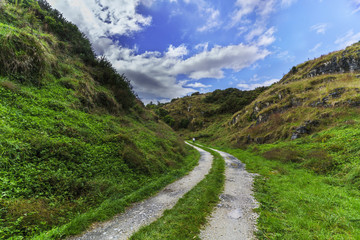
319	161
169	120
353	177
134	158
9	85
184	123
285	155
103	100
21	55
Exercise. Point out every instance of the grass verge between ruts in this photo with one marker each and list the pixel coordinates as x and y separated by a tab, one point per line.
184	220
299	204
113	206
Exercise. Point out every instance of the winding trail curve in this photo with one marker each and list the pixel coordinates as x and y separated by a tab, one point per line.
233	218
145	212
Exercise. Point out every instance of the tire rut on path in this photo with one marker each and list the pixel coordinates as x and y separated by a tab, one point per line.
233	218
145	212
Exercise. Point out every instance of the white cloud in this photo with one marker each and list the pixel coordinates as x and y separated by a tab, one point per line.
349	38
255	32
202	46
154	73
317	46
250	17
246	86
174	52
198	85
213	20
103	17
210	64
262	8
319	28
208	13
267	38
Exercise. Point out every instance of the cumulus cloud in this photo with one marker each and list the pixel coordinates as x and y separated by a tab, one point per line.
103	18
210	64
175	52
155	73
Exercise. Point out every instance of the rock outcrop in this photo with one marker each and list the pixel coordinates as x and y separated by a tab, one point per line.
304	129
335	65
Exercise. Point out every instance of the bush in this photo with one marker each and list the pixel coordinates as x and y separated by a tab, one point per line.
233	100
9	85
284	155
320	161
21	55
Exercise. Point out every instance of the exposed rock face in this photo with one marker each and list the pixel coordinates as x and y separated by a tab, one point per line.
235	119
304	129
336	93
257	108
342	65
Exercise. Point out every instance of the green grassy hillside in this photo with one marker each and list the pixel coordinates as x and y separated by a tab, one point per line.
72	133
314	96
203	115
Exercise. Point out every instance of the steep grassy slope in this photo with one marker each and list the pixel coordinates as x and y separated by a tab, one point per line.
72	133
313	96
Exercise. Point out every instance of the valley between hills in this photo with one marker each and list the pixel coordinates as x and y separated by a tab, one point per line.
78	147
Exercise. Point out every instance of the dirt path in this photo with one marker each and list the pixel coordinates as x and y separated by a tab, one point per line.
233	218
147	211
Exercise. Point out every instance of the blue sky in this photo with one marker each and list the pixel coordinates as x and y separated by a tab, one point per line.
172	48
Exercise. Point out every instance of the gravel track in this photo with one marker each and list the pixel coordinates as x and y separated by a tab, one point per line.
233	218
143	213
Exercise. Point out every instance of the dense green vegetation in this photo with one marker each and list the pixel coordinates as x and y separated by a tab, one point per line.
74	139
200	115
232	100
184	220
